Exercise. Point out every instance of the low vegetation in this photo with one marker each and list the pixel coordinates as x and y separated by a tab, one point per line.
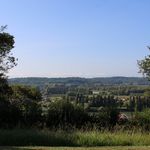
75	138
77	148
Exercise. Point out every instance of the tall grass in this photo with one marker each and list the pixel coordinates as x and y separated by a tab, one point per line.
22	137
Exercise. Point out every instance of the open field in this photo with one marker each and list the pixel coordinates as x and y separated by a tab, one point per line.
77	148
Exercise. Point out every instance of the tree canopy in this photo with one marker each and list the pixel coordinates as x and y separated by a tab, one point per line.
7	60
144	66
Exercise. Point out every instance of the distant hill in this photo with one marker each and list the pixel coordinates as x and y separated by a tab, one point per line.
76	81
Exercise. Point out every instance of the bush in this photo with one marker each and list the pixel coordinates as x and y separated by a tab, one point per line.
63	113
142	119
106	118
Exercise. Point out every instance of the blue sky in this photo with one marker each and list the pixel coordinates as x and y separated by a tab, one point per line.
86	38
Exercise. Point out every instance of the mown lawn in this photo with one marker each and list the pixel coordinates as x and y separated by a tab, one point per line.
78	148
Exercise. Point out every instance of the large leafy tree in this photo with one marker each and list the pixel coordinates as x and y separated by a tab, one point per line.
144	66
26	99
7	61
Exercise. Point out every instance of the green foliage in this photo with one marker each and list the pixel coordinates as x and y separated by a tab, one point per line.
77	138
144	65
147	92
63	113
138	103
22	92
103	101
142	119
78	148
7	61
5	90
106	118
25	99
21	107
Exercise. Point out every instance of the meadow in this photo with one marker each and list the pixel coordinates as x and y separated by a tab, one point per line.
78	148
21	137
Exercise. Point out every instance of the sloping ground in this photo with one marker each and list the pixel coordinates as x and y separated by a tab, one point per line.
78	148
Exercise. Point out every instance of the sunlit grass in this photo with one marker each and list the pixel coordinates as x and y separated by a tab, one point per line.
77	148
75	139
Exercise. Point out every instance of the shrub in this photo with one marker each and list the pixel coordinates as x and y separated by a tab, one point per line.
106	118
142	119
63	113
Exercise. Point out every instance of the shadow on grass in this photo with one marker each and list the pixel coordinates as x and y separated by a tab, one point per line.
14	148
77	148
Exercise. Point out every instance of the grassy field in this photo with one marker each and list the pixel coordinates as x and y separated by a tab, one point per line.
76	148
73	139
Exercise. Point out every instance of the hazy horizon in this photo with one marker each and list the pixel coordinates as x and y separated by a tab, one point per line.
84	38
79	77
